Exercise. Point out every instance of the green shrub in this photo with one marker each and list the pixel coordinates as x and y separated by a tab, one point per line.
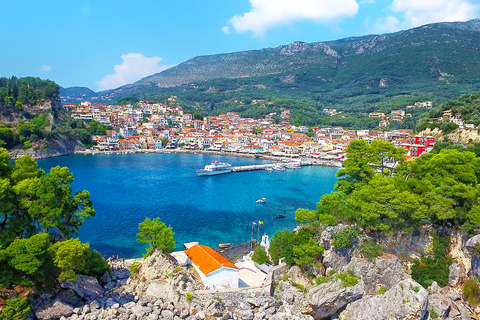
416	288
345	238
347	281
381	290
433	315
15	309
321	280
471	291
189	296
134	268
219	301
260	255
370	250
436	268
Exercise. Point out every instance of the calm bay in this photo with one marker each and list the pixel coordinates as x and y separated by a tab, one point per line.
125	189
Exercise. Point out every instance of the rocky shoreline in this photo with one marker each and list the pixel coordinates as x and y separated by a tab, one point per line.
384	289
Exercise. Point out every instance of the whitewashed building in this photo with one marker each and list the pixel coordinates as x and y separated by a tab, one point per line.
215	271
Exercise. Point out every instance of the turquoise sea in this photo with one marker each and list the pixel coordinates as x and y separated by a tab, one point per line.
210	209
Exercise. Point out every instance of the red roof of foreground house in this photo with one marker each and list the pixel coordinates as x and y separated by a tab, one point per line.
207	260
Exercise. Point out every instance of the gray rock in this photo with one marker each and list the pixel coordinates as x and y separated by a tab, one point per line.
54	311
333	260
475	270
406	300
200	315
121	273
129	305
472	241
69	297
105	278
456	274
243	314
387	271
85	287
440	304
328	298
86	309
167	314
94	305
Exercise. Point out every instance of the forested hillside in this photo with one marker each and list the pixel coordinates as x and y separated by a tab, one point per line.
435	62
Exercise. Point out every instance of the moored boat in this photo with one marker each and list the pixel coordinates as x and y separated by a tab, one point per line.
280	216
215	168
262	200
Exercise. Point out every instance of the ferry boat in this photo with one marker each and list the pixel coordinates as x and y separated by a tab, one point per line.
215	168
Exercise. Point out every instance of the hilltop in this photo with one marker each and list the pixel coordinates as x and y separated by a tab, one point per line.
434	62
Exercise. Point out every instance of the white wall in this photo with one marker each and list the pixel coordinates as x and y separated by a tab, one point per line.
220	276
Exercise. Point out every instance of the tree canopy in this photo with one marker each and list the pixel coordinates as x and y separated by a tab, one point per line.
39	214
157	234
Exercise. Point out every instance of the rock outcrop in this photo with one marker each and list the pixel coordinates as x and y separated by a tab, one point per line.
328	298
407	300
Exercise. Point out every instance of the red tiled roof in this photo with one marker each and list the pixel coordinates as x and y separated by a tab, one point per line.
207	260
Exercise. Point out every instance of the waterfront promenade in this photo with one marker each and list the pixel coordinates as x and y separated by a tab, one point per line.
312	161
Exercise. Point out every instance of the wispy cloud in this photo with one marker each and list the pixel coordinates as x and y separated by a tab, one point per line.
46	68
134	67
268	14
406	14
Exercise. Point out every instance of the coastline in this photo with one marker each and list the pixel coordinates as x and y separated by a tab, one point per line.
314	162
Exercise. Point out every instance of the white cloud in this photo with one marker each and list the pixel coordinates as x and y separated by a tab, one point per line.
413	13
133	68
267	14
226	30
45	68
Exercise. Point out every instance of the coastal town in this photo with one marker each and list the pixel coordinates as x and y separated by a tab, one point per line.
160	127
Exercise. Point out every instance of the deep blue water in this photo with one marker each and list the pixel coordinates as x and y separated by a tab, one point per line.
125	189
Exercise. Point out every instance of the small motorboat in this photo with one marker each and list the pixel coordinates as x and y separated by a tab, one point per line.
269	168
262	200
280	216
224	245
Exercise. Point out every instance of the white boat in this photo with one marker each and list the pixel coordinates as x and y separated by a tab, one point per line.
215	168
269	168
293	166
278	167
262	200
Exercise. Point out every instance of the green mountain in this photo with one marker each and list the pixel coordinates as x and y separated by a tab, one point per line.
434	62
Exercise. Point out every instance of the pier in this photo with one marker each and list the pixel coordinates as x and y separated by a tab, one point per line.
262	166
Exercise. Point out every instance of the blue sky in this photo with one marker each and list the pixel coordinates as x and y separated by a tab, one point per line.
104	44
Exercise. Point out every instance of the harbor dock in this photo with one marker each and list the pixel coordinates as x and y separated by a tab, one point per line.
261	167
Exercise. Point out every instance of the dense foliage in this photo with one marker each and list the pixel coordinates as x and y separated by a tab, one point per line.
157	234
435	268
38	216
260	255
467	105
297	248
27	91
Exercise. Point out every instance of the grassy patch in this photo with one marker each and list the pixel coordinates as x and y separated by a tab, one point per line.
370	250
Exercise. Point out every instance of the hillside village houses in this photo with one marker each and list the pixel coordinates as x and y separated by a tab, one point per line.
159	126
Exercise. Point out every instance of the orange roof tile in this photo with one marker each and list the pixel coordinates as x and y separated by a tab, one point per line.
207	260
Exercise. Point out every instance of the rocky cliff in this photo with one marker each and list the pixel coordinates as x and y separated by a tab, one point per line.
382	288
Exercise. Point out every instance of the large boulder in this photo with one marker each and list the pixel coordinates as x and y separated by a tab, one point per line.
408	300
85	287
386	271
334	259
327	299
53	310
456	274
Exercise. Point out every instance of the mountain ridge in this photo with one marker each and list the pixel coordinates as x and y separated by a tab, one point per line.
434	61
